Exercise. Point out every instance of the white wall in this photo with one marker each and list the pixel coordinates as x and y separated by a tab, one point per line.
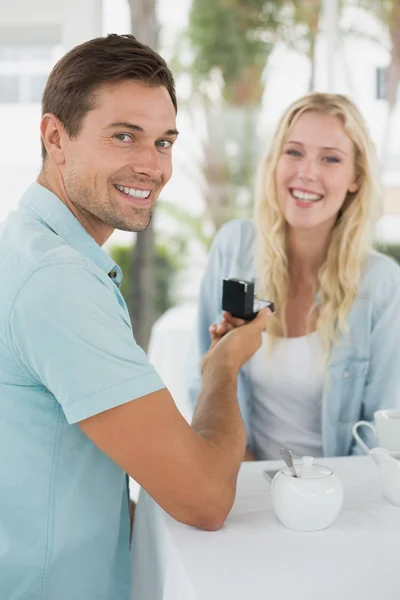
82	20
19	152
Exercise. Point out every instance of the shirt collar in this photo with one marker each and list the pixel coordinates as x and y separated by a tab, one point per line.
56	215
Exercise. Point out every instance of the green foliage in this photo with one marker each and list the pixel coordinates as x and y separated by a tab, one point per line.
167	264
391	249
382	9
233	39
230	35
191	226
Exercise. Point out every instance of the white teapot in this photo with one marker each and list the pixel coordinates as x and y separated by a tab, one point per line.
309	502
389	467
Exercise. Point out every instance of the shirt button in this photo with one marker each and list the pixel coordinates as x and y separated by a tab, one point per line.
346	374
113	274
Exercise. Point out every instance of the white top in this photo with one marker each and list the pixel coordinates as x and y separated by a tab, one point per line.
287	381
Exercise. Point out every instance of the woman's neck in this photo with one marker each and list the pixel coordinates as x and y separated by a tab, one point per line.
307	251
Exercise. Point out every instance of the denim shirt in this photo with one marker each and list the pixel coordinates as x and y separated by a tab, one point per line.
363	372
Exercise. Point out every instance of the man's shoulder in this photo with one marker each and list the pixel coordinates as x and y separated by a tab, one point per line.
30	253
31	244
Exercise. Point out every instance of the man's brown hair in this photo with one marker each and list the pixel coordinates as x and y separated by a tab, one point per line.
70	90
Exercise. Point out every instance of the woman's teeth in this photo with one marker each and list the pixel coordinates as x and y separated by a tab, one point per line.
133	192
305	196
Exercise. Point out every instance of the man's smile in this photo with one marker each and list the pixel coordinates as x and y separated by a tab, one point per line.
134	192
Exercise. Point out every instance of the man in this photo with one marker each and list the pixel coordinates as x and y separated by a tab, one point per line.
80	403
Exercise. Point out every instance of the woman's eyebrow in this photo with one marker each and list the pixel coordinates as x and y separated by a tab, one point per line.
322	147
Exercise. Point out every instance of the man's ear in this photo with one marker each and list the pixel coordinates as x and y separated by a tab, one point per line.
54	137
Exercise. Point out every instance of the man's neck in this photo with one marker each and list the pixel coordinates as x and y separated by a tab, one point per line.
55	184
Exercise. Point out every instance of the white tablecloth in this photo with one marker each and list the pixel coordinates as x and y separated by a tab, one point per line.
172	338
253	557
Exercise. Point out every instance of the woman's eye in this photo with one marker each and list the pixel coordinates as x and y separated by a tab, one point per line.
164	143
293	152
331	159
123	137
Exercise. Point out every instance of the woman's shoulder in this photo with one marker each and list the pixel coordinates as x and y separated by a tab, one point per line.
236	236
382	267
381	276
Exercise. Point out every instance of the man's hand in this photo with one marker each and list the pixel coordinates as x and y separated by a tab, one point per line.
234	341
218	330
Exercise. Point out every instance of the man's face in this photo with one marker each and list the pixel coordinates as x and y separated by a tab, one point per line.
117	165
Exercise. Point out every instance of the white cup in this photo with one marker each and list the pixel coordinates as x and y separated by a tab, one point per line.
386	430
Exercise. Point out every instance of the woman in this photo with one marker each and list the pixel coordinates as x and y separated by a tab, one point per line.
331	355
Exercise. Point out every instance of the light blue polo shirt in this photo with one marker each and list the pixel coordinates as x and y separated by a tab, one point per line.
67	352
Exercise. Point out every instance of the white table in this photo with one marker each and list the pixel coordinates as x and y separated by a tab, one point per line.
253	557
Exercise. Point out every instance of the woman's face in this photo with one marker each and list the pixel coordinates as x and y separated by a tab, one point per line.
315	171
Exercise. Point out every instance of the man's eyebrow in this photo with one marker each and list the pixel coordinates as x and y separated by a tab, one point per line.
323	148
133	127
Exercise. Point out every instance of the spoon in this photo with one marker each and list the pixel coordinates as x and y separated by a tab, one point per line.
287	457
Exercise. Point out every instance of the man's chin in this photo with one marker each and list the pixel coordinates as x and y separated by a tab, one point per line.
136	225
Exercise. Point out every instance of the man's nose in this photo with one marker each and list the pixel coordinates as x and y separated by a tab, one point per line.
146	161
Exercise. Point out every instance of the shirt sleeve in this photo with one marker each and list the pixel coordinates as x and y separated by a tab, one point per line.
71	332
382	390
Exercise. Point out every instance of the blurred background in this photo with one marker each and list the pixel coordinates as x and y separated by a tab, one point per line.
237	64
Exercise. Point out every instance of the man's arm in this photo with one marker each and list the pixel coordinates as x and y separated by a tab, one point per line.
190	471
102	380
227	324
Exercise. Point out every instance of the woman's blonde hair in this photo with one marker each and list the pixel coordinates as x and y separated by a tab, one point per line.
351	238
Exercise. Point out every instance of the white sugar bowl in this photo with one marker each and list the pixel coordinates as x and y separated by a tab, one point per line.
309	502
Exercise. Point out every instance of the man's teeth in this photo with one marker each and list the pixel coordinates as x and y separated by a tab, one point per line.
133	192
305	197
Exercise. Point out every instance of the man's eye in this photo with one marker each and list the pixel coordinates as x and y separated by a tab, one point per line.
123	137
331	159
164	143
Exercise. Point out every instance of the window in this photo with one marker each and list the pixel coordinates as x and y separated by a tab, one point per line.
29	53
9	86
23	72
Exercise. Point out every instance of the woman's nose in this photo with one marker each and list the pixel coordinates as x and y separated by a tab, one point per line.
308	170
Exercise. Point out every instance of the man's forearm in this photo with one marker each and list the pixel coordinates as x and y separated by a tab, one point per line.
217	417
